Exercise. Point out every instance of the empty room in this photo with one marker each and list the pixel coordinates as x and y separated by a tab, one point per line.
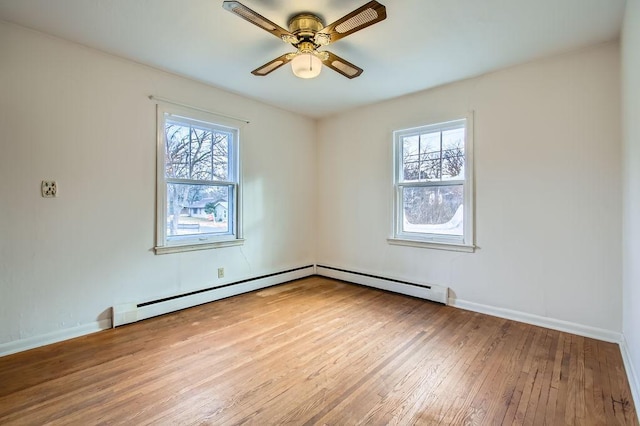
275	212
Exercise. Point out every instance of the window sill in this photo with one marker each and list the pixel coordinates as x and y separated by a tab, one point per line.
194	247
432	245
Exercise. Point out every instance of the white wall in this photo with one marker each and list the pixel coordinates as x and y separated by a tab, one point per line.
548	198
547	133
81	117
631	192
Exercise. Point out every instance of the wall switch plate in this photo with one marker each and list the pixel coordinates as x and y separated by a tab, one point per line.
220	272
49	188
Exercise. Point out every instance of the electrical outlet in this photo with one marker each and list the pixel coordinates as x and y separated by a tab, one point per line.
220	272
49	188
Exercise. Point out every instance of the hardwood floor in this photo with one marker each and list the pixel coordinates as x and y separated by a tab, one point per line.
319	351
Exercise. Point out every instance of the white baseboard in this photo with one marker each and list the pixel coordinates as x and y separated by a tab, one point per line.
53	337
424	291
554	324
439	294
153	310
632	374
131	312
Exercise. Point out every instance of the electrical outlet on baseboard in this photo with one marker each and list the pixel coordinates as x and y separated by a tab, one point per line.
220	272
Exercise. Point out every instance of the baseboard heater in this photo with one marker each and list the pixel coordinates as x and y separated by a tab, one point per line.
127	313
424	291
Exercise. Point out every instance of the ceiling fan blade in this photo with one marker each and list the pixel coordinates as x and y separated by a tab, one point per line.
338	64
360	18
255	18
272	65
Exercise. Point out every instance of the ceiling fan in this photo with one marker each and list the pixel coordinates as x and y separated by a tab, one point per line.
307	33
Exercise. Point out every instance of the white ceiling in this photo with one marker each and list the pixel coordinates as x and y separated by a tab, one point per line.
421	44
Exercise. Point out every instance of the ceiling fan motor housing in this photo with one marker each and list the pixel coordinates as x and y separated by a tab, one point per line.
305	25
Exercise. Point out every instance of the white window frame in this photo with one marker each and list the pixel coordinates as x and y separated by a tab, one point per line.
431	240
165	245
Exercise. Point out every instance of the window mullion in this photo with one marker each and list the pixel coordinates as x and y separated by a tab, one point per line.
420	156
190	158
213	139
440	156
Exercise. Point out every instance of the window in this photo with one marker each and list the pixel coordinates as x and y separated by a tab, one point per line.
198	181
433	203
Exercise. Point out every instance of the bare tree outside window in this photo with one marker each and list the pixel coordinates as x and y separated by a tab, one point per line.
196	154
198	181
432	157
433	186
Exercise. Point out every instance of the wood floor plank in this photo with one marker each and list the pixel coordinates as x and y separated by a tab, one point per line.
475	404
500	396
620	399
465	372
383	392
517	406
364	368
554	385
444	395
319	351
361	353
546	378
401	391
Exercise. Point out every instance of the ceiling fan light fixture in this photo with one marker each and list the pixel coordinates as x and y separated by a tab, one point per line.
306	65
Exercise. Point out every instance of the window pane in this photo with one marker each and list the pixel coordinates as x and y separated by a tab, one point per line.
433	156
200	155
410	158
198	209
177	150
430	156
221	156
196	152
453	154
433	210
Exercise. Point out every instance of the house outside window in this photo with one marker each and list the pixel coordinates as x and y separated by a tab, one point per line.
433	186
198	181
